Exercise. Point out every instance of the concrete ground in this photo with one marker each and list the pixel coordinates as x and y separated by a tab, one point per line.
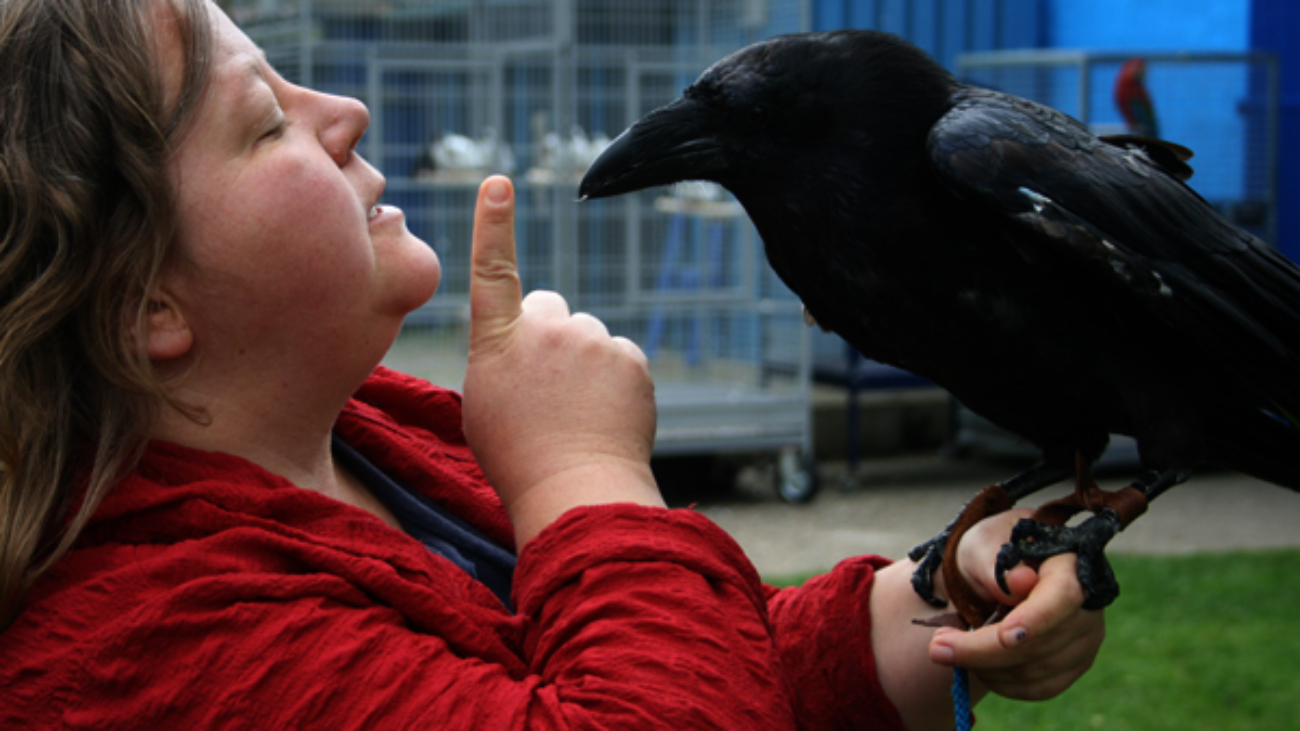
892	503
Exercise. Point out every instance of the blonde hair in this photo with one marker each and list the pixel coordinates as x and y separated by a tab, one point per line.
86	227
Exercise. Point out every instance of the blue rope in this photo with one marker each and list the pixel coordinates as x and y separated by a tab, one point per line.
961	700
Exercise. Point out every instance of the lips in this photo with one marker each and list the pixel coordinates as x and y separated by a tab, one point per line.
382	215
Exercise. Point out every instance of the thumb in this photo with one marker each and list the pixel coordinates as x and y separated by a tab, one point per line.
494	290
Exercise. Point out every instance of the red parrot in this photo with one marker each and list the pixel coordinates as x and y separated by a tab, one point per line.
1133	99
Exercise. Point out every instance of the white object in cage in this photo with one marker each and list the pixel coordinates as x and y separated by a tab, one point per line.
458	156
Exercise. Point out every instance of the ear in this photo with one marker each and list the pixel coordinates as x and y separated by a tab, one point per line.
169	335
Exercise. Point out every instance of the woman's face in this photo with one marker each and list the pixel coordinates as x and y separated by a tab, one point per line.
289	255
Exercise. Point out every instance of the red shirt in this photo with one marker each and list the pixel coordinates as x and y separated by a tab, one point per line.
209	593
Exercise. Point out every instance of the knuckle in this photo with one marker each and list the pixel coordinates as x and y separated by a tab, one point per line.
496	270
589	321
545	298
634	350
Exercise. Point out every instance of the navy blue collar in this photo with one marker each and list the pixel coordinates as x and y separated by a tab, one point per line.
434	526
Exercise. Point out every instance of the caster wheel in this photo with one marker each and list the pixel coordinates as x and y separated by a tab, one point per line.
797	478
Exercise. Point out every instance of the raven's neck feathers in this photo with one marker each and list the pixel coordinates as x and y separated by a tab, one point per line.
835	204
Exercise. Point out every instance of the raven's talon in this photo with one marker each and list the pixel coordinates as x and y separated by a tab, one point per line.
928	548
1028	539
928	557
1033	542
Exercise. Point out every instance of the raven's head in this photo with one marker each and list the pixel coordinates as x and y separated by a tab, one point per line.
782	111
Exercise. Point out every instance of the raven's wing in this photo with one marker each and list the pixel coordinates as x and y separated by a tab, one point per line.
1166	155
1116	216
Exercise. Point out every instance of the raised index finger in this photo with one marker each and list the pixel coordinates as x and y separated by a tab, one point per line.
494	291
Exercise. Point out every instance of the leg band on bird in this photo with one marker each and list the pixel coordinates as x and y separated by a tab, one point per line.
1046	534
1043	535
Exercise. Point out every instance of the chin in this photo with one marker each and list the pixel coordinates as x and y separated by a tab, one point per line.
414	278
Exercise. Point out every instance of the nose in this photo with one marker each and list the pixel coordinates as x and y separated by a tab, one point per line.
343	122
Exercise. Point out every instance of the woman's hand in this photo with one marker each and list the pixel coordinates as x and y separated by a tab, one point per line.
1042	646
1045	643
559	413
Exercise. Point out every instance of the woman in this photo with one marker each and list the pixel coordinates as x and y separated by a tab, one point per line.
218	511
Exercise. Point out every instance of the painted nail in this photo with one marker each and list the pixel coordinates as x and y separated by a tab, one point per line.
1017	635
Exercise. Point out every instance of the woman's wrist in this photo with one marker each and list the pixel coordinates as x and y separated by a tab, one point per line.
595	483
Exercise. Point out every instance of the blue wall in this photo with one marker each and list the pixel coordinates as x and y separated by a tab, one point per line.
944	28
1152	25
1275	27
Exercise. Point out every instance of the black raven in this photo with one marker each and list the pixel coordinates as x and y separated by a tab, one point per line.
1064	286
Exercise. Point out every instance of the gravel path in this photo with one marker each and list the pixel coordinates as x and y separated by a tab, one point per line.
892	504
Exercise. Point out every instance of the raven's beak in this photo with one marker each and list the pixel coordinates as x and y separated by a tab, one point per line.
669	145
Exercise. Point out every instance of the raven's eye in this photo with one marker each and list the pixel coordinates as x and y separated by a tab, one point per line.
700	91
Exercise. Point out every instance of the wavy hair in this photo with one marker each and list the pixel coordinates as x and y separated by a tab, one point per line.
87	221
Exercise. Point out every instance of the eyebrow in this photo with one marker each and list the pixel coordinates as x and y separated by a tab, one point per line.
249	73
252	69
254	64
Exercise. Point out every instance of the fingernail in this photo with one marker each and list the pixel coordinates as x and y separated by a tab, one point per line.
498	191
1016	635
942	654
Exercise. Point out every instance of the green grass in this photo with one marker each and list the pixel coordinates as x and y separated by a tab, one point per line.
1208	641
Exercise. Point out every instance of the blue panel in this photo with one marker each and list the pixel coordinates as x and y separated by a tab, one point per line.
953	20
944	28
893	16
865	14
1022	24
1199	25
827	15
983	33
923	22
1274	27
832	14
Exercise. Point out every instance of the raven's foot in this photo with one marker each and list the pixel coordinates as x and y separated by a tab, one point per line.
1045	534
1033	542
929	557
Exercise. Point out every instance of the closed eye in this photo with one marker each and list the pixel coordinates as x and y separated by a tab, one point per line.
276	131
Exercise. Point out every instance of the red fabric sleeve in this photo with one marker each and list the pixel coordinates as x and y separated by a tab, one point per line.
667	636
823	632
630	618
